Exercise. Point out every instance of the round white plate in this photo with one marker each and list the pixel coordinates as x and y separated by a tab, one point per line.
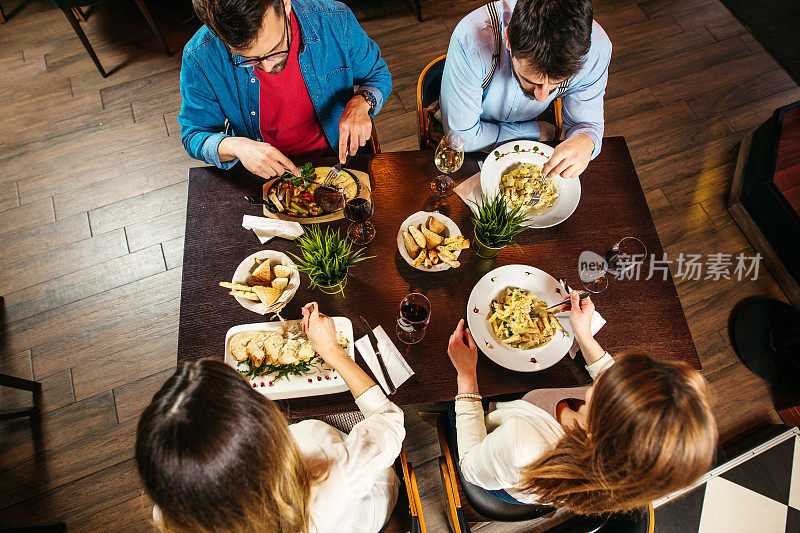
506	156
538	282
246	268
421	217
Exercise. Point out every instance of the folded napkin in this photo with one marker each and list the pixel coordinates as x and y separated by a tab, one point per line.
267	228
398	369
469	190
597	323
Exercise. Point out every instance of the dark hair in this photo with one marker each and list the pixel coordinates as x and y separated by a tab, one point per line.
215	455
235	22
552	36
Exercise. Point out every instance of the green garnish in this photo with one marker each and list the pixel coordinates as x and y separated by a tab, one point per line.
280	370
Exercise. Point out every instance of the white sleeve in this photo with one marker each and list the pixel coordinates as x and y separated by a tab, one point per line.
489	461
599	366
374	443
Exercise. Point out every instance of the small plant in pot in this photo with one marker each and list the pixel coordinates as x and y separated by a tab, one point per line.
326	257
495	225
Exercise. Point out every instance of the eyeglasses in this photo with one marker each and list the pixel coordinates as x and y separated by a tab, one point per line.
273	56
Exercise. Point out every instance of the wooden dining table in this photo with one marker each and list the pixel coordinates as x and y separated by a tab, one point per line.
642	315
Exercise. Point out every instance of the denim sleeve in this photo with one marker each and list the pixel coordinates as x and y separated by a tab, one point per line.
369	69
201	117
462	101
583	108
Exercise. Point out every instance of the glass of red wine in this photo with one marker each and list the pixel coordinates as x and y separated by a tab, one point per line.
359	210
413	316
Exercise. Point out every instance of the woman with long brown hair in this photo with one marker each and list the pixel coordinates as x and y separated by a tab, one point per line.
643	430
217	456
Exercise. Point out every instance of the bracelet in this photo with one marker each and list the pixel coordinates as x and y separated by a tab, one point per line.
471	395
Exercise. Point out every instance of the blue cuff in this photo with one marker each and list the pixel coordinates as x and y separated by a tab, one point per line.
377	94
210	151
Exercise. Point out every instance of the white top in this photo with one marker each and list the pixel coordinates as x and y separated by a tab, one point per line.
359	491
495	448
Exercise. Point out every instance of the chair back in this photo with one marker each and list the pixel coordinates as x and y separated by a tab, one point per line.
429	87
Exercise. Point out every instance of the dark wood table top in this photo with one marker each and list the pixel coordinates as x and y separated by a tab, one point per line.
643	315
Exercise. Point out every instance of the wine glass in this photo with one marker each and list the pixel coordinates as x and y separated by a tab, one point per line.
619	261
413	315
448	159
359	210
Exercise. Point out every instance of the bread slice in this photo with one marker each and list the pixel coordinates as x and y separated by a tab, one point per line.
267	295
282	271
436	226
433	240
262	272
419	238
411	244
452	262
421	256
444	252
280	283
246	295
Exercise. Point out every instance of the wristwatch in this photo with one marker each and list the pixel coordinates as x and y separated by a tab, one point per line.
370	98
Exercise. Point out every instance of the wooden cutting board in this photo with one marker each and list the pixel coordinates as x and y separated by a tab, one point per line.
362	177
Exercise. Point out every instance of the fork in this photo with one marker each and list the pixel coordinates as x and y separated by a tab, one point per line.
335	170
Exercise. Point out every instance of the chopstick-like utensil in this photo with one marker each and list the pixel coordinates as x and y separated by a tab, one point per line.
562	302
373	340
255	201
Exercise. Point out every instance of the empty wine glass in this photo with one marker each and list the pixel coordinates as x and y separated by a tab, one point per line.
359	210
448	158
620	261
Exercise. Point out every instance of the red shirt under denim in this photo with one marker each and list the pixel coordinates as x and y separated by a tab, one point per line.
288	119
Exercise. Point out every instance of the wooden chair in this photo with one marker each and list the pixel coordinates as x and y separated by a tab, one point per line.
429	87
468	508
72	10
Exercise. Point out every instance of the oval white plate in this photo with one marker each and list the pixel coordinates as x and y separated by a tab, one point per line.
538	282
247	266
329	382
421	217
509	154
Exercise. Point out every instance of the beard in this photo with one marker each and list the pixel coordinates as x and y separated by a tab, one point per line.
279	66
528	94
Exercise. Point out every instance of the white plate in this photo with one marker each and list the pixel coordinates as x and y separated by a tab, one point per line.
323	381
538	282
247	266
421	217
506	156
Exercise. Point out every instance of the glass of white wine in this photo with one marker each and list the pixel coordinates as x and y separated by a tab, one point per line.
448	158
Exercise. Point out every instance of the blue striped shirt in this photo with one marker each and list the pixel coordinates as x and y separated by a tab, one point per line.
503	112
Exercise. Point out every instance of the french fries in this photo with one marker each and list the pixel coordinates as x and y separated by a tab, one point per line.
427	245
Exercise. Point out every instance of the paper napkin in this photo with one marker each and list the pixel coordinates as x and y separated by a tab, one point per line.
267	228
396	365
469	190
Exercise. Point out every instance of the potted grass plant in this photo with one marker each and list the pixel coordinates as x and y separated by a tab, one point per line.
496	225
326	257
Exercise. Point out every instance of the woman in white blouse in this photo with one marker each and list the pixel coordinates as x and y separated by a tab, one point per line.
215	455
641	431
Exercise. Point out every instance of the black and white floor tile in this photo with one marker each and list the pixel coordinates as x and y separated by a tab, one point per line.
761	495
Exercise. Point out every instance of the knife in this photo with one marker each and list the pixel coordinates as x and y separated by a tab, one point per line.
373	340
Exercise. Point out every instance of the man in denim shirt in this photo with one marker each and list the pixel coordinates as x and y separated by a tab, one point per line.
282	73
549	49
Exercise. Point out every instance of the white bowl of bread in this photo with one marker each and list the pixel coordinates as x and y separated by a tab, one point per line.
264	282
430	241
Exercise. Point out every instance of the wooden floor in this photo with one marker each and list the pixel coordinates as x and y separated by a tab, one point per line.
92	207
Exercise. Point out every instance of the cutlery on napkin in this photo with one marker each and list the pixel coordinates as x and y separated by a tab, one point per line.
267	228
396	366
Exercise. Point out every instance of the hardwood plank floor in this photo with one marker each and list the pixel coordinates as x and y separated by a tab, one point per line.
93	198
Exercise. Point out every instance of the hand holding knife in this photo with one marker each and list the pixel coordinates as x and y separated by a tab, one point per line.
373	340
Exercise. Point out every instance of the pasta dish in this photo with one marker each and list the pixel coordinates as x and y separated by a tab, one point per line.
519	184
520	320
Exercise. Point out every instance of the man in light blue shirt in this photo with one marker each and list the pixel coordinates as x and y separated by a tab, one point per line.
550	49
